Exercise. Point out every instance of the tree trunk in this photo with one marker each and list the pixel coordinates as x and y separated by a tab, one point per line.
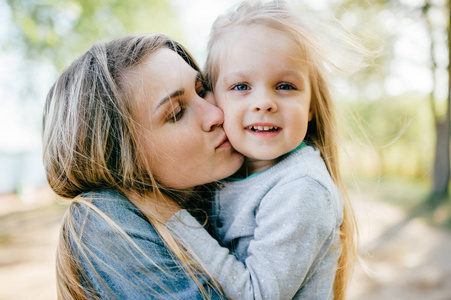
441	172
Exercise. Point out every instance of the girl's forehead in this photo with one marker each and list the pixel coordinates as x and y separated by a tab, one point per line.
260	38
256	34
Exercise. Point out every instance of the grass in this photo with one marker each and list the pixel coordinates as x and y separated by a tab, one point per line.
4	239
396	191
409	195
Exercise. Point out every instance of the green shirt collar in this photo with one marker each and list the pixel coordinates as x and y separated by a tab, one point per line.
302	145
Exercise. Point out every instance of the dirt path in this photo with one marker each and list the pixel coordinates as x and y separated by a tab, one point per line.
414	264
28	237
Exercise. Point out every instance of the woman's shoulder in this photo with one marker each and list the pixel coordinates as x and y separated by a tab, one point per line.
99	196
111	201
120	253
108	211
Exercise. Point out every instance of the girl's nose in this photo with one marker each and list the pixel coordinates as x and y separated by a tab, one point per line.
264	103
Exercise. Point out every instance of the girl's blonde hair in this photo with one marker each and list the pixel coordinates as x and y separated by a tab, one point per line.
91	142
322	130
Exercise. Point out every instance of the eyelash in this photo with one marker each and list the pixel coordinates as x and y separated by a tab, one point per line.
291	87
235	87
176	116
202	87
278	87
202	91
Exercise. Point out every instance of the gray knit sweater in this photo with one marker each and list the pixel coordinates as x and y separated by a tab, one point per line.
281	230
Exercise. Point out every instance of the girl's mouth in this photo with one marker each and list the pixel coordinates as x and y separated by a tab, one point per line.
255	128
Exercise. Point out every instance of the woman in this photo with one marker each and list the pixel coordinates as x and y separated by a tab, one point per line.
127	136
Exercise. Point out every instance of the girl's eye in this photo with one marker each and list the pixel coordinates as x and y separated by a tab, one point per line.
240	87
285	87
176	114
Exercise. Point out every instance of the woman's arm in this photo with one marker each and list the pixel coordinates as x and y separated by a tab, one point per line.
295	228
120	255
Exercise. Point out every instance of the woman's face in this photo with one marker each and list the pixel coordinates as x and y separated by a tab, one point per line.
182	134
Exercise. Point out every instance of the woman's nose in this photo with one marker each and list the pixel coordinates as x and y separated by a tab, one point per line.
212	116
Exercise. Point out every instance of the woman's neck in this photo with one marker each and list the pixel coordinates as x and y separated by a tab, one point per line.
252	166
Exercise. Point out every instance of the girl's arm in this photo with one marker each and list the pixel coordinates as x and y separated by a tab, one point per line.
296	226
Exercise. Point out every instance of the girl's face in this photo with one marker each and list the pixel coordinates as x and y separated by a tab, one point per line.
264	91
182	132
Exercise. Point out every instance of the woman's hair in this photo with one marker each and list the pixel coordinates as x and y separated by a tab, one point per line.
91	142
322	130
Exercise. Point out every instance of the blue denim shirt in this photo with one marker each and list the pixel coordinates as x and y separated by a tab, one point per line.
112	268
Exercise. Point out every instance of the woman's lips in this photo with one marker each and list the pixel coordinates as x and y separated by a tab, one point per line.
224	143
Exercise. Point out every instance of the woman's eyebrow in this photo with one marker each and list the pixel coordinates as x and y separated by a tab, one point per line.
177	93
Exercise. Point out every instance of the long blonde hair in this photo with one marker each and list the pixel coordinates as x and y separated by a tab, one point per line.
91	142
322	130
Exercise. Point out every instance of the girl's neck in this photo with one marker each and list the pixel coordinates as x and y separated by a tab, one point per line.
252	166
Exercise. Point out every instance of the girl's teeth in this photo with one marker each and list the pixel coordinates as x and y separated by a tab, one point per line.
263	128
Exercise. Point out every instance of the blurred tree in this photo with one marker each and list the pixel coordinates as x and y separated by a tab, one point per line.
441	168
57	30
399	132
365	15
368	21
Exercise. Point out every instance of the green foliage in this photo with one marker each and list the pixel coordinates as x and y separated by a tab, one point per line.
60	29
372	23
391	137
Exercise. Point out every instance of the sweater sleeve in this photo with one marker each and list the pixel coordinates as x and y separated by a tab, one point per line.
295	229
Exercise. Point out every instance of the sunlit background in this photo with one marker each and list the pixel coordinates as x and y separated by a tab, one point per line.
391	115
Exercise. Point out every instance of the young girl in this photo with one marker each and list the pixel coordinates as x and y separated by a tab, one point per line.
282	214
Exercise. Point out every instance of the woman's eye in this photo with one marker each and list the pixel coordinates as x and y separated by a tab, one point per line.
201	92
202	87
176	114
285	87
240	87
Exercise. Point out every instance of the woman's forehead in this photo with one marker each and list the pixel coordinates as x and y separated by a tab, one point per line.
162	74
164	69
